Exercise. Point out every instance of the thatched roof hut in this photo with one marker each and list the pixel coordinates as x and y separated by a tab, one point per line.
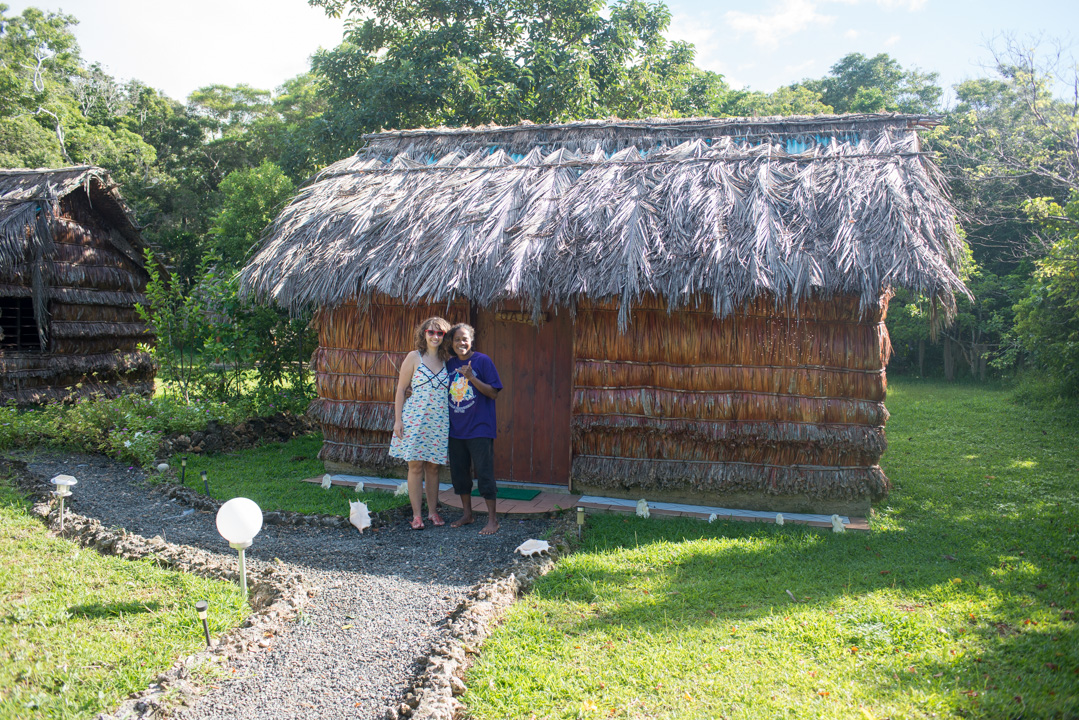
692	308
71	273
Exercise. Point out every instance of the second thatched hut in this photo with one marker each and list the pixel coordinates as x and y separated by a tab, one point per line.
71	273
687	310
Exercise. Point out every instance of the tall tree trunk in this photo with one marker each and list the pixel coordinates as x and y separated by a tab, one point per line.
949	361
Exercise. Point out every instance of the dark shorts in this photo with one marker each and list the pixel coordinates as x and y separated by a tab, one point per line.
478	453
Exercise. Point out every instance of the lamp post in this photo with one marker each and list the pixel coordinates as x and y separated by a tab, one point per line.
183	469
205	483
200	608
580	521
63	485
239	521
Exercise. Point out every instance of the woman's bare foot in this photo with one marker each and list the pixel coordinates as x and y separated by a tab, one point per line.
463	520
436	519
417	523
491	527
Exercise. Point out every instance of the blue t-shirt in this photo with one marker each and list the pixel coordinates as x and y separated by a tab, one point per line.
472	414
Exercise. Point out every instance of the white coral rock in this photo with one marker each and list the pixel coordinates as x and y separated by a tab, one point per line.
359	516
642	508
713	517
402	489
327	481
533	547
359	487
779	518
837	524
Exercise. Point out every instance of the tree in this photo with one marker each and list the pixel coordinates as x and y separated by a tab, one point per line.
1010	139
861	84
38	55
1047	319
503	61
250	200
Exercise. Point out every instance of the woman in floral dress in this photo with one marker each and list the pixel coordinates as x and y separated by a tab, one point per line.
422	422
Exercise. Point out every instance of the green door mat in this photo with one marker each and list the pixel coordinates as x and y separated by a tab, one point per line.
512	493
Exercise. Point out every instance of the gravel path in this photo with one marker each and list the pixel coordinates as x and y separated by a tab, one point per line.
393	587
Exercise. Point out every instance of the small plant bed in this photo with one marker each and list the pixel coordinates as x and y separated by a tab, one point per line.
961	602
79	631
272	475
134	429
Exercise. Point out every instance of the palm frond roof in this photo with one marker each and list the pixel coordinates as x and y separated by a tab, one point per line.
684	209
28	202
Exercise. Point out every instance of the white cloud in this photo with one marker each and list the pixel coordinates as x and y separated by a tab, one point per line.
799	69
911	5
852	34
787	18
892	40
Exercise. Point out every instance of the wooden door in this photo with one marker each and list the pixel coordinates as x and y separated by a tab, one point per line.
535	364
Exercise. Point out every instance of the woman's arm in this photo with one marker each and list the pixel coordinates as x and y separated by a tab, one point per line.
404	380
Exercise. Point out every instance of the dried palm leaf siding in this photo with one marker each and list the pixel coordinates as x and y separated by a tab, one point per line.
80	261
356	368
767	400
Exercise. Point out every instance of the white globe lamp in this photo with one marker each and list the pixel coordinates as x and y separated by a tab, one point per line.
239	521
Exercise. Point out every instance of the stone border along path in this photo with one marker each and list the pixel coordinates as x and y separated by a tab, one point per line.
360	626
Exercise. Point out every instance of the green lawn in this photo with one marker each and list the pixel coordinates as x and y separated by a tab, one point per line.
272	475
79	631
958	604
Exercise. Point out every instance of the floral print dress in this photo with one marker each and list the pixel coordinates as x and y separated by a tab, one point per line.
426	418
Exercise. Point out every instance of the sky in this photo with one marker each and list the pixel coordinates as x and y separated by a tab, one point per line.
178	47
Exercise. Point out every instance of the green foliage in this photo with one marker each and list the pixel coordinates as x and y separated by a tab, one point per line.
128	428
960	603
468	63
250	200
1009	140
179	320
209	342
1047	319
859	84
59	110
80	632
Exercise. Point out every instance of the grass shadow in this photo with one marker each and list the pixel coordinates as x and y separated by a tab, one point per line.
113	609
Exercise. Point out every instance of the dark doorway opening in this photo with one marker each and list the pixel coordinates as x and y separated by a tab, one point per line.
18	327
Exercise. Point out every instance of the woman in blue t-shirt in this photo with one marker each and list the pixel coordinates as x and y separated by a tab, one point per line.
474	385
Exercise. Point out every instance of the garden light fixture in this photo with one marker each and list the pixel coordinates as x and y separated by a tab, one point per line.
183	469
200	608
63	485
205	483
580	521
239	521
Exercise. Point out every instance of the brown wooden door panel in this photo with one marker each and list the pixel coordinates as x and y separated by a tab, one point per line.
536	368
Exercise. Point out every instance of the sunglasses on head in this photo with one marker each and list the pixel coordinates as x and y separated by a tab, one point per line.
436	333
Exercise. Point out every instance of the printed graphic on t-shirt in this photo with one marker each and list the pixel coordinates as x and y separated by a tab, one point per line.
462	396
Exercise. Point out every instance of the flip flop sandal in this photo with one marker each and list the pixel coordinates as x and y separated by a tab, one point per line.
436	519
417	523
